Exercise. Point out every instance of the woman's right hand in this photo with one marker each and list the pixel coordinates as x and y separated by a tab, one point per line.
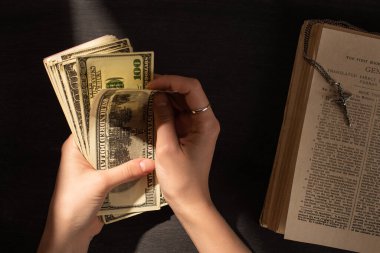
185	141
184	149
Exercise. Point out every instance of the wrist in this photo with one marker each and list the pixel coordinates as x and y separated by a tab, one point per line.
190	213
51	243
208	229
59	238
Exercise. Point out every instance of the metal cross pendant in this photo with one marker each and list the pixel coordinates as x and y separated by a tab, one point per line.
343	97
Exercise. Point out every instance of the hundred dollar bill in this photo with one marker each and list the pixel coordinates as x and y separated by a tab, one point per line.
111	218
66	79
50	61
121	129
111	46
51	65
68	69
125	70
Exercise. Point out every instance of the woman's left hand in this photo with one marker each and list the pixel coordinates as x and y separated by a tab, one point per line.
79	193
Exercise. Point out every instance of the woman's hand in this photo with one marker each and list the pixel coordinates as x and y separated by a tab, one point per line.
187	131
184	150
185	141
79	193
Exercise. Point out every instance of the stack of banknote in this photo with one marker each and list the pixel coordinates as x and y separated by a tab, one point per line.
100	86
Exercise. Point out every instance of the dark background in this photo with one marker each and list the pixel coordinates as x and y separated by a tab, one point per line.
241	51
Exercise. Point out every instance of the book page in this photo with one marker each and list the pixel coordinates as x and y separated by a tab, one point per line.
335	198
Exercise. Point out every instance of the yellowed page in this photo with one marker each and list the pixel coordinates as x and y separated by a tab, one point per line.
335	198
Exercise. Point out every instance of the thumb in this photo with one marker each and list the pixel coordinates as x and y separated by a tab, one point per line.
129	171
164	120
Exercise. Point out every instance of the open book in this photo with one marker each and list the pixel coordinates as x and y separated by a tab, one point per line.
325	183
100	85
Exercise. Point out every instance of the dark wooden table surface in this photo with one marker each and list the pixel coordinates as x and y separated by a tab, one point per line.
241	51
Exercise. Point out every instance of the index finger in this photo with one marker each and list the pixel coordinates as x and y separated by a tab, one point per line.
190	88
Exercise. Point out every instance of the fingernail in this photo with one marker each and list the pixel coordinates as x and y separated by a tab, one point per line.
147	165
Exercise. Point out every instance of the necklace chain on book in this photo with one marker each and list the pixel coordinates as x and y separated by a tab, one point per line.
342	95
